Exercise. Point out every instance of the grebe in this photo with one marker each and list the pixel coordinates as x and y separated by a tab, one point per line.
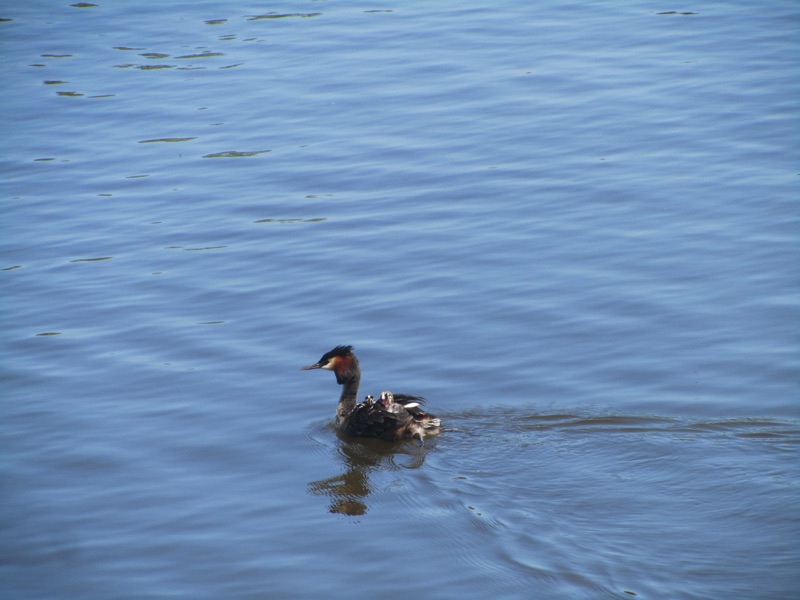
394	417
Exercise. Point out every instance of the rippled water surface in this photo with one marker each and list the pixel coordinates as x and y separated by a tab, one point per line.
573	227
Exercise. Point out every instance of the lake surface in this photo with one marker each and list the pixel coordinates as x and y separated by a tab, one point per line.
573	227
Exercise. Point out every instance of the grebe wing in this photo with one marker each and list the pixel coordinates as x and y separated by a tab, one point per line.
374	421
408	399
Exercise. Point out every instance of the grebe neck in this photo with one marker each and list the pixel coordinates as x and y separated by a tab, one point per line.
347	401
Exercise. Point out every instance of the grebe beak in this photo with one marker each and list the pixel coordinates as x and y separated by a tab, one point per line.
309	367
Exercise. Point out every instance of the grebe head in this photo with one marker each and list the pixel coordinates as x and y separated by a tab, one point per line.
340	360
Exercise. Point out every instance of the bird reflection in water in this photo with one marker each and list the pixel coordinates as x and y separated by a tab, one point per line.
360	456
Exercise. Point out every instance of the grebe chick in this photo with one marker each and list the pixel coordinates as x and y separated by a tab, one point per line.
394	403
387	400
394	417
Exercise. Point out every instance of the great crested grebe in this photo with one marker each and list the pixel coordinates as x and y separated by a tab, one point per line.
394	417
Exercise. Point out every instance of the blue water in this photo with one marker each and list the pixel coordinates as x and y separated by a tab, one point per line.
572	227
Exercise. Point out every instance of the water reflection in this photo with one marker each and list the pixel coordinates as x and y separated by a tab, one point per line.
348	491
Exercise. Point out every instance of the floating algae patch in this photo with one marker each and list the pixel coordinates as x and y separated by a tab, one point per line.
98	259
202	55
273	15
235	154
317	220
170	140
